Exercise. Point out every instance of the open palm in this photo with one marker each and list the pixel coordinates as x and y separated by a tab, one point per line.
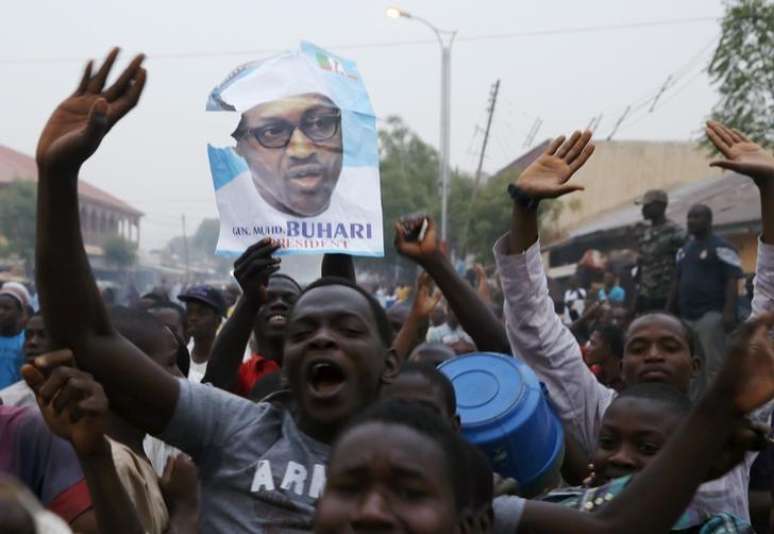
548	176
742	155
77	126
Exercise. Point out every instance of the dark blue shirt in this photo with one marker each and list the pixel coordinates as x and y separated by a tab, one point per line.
703	270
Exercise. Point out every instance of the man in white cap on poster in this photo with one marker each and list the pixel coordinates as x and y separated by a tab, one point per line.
305	166
14	304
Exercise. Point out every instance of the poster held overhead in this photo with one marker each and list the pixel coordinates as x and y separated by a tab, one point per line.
304	166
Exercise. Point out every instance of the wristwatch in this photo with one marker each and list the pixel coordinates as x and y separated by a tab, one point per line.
521	198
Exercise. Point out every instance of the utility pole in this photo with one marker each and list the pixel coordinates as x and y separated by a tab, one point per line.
618	124
594	123
490	110
661	92
533	131
185	253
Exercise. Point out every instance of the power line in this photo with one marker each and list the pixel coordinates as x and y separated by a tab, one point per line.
389	44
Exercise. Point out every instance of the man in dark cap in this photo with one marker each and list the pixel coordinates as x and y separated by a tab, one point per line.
658	243
205	308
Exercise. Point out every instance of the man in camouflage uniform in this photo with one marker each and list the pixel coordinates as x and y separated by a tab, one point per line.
658	244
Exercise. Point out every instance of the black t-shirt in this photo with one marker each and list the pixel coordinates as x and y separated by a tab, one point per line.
703	269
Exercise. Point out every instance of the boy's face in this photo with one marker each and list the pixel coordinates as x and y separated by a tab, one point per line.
633	431
387	478
272	319
334	359
657	350
11	315
200	320
36	340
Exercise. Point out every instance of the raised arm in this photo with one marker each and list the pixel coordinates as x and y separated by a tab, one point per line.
535	331
415	328
252	270
658	495
474	315
72	307
746	157
76	410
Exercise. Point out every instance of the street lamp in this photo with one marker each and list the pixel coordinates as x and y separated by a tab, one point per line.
445	40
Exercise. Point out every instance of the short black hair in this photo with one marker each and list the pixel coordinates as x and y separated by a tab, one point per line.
678	402
439	353
481	478
142	329
688	333
423	421
382	323
435	378
169	305
613	337
288	278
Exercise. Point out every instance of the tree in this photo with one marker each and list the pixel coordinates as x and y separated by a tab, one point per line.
205	240
18	210
743	66
120	253
491	216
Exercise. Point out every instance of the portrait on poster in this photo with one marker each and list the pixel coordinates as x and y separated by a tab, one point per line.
303	164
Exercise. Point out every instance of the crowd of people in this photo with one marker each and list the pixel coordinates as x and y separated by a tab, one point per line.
290	408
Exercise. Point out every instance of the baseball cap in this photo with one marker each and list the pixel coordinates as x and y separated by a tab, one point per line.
206	295
654	195
17	292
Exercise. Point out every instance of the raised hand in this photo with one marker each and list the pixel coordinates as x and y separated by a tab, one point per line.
73	404
78	125
548	176
253	269
428	249
742	155
748	375
425	300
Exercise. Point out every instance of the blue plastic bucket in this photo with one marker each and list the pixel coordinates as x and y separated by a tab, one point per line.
505	412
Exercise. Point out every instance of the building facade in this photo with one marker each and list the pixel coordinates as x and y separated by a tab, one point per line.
103	216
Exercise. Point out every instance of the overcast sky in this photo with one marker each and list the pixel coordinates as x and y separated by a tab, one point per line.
156	159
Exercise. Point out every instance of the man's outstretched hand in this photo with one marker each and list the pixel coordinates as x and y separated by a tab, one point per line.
742	155
73	404
425	299
253	269
548	176
426	250
77	126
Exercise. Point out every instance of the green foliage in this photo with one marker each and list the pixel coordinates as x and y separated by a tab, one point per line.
120	253
18	209
491	216
743	68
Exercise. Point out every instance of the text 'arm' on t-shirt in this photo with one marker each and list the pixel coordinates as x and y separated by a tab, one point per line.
205	419
539	337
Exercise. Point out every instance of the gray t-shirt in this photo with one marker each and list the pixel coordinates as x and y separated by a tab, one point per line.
258	472
507	514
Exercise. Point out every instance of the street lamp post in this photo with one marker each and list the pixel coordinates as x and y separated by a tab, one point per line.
445	40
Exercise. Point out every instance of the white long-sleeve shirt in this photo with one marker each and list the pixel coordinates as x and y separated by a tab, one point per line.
539	337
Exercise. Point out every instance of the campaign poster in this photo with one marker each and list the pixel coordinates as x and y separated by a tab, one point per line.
302	165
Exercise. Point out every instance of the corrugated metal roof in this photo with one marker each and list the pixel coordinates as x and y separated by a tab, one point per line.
733	199
16	166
